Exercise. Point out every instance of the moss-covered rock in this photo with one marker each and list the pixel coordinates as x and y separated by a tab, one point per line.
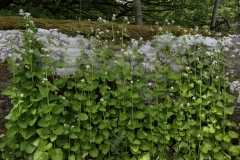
72	28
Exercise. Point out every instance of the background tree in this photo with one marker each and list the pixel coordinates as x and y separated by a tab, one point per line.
185	13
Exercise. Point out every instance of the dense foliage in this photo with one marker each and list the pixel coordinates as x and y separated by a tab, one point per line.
186	13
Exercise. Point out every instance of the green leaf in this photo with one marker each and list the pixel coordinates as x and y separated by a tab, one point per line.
46	108
26	146
226	138
134	147
233	134
57	109
43	145
105	148
122	117
218	155
219	104
75	147
36	52
84	155
8	91
141	134
29	74
145	146
43	90
219	136
144	156
53	137
45	121
71	157
39	155
31	119
12	131
44	133
56	154
58	129
173	76
229	110
98	139
94	151
235	150
139	115
22	123
83	116
36	97
27	133
15	79
66	146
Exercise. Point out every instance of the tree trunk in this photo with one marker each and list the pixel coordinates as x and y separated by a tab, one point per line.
214	14
137	12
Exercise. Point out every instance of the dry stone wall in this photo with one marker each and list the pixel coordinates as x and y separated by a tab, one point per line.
69	48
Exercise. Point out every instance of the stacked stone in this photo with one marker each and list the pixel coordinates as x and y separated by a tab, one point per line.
233	72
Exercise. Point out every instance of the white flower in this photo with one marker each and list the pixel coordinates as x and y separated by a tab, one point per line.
187	68
44	80
101	99
131	82
193	98
188	104
64	125
173	21
217	77
149	84
30	51
87	66
63	98
21	12
56	92
29	31
72	126
125	18
39	39
83	80
160	29
168	24
166	20
27	15
140	38
106	72
214	62
209	53
21	95
225	49
100	19
196	28
156	23
113	17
